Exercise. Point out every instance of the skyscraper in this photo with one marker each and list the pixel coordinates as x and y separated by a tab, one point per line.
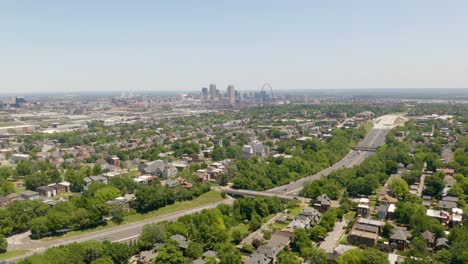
213	96
231	93
205	94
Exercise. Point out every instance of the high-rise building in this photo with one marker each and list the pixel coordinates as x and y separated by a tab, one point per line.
205	94
213	94
231	93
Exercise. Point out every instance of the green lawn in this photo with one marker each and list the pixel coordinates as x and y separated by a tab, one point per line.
367	126
13	253
350	216
295	211
242	227
204	199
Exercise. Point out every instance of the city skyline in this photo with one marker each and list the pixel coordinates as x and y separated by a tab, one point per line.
118	46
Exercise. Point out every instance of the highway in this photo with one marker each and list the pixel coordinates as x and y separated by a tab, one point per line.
120	233
374	139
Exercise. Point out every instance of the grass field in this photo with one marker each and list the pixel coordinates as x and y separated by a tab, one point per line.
204	199
13	253
350	216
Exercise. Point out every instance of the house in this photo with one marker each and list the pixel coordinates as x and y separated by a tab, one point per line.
144	257
457	217
30	195
199	261
399	238
90	179
46	191
427	201
364	232
210	254
114	160
391	211
144	179
62	187
387	199
442	243
338	251
448	203
181	241
258	258
382	211
429	237
363	207
158	168
441	216
322	203
312	214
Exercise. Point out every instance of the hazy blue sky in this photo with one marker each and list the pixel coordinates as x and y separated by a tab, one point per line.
167	45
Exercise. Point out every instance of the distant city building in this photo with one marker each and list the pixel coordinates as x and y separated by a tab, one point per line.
205	94
231	93
214	93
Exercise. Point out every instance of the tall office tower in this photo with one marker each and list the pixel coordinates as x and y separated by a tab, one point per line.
213	96
205	94
231	93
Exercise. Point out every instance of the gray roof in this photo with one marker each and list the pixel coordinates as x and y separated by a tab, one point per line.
450	199
442	242
210	253
446	204
198	261
181	240
399	233
324	200
258	258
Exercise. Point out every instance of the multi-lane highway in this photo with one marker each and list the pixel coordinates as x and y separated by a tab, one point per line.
374	139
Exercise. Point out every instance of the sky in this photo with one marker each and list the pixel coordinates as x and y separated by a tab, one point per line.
50	46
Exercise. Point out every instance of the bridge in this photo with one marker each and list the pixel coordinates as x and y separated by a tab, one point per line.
249	193
371	149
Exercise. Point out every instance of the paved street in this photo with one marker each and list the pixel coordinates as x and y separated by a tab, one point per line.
333	237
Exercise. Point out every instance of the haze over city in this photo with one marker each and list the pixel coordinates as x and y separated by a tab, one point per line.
50	46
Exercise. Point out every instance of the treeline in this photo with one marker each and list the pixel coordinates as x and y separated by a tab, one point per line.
90	209
309	157
89	252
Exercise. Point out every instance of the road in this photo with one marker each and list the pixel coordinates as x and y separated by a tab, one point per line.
115	234
374	139
333	237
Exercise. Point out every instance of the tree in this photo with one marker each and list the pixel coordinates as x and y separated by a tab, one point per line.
255	222
434	185
288	257
313	255
3	244
366	256
301	241
236	236
107	193
151	234
317	233
170	254
6	222
398	187
24	168
228	254
119	252
96	170
103	260
194	250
